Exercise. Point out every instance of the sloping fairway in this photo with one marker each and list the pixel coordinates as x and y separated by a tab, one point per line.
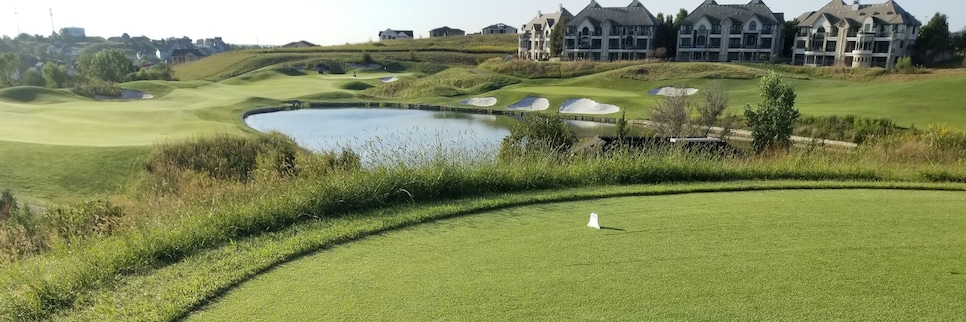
36	115
773	255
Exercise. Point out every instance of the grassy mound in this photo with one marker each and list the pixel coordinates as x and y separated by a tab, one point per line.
161	88
723	256
259	76
356	86
449	83
532	69
37	95
666	71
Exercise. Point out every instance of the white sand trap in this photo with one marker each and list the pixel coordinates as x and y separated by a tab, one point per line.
531	104
127	94
389	79
480	101
587	106
673	91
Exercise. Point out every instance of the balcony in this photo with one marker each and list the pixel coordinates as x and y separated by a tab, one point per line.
862	52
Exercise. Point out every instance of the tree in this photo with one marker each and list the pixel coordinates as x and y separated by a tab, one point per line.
715	103
789	30
959	41
9	63
8	204
557	37
672	116
55	75
773	121
32	77
934	38
110	65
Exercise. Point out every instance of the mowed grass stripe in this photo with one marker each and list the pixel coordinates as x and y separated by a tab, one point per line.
811	254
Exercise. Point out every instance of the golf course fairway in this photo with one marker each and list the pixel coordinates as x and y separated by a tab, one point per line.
762	255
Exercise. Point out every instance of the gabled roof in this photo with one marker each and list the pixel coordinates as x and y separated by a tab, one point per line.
185	52
446	28
889	13
397	32
736	13
499	26
301	43
548	19
634	14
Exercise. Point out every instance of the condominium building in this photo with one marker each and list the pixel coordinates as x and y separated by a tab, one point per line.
610	33
855	35
730	33
535	39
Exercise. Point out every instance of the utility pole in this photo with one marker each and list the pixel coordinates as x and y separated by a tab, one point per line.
52	29
16	17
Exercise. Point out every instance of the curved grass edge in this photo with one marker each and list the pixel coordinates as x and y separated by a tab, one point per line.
175	291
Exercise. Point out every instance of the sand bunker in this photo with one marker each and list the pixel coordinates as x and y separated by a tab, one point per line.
587	106
480	101
389	79
673	91
531	104
126	94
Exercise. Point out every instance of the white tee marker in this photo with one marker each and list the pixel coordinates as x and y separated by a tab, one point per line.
593	221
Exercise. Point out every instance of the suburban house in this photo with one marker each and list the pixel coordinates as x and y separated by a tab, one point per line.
730	32
299	44
75	32
179	56
535	39
499	28
446	32
390	34
610	33
855	35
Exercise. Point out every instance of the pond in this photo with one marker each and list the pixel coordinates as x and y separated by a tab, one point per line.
375	133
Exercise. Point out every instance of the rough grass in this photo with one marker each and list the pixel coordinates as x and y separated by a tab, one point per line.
659	71
494	44
37	95
821	254
173	290
448	83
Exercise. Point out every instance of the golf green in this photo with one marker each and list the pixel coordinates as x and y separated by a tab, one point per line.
766	255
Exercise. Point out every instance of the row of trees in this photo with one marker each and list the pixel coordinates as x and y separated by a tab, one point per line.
108	66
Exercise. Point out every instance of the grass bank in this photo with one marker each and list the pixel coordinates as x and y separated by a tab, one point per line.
172	291
209	213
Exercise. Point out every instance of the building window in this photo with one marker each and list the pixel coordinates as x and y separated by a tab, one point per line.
715	42
702	41
735	29
716	29
753	26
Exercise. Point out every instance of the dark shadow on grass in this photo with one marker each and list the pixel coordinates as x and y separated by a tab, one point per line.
611	228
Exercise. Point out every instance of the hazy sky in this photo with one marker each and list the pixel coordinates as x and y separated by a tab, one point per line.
340	21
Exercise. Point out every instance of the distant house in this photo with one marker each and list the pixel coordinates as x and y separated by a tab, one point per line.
446	32
499	28
75	32
179	56
299	44
390	34
535	39
715	32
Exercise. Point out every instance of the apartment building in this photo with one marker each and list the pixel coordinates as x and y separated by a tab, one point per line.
730	33
610	33
535	39
855	35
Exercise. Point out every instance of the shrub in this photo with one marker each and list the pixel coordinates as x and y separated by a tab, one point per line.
8	204
851	128
904	65
541	133
92	90
772	122
224	157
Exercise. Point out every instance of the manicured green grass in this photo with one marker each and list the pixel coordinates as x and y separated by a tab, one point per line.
818	254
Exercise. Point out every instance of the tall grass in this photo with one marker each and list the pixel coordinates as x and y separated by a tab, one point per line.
533	69
245	202
448	83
